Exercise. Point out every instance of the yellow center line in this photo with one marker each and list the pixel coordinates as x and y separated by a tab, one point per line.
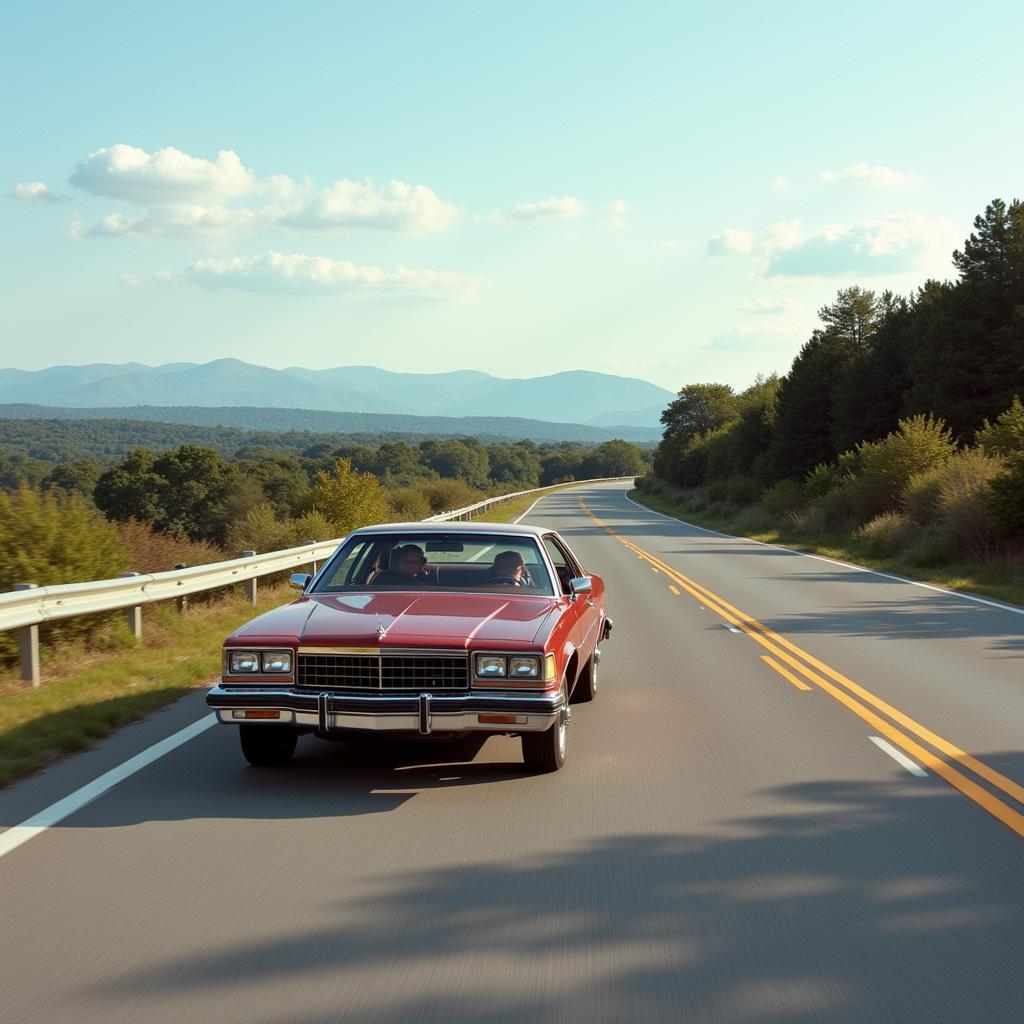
785	673
780	647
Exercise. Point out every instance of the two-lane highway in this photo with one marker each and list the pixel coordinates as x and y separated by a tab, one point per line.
739	834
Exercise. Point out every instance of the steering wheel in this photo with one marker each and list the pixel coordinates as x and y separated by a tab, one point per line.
503	581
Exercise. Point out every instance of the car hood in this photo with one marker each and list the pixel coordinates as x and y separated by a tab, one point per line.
408	620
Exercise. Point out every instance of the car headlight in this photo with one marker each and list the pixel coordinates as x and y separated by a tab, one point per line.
259	662
524	666
276	661
491	666
242	662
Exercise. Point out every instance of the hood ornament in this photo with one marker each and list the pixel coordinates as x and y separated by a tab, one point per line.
381	628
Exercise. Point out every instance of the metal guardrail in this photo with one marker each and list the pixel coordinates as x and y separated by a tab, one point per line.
28	606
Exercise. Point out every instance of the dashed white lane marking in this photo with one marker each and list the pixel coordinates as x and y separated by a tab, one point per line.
897	755
31	827
833	561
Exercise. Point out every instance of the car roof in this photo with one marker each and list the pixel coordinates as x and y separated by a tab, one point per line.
509	529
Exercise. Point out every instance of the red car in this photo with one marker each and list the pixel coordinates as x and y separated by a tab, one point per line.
429	629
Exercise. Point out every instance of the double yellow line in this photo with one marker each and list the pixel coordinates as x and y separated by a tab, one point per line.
847	693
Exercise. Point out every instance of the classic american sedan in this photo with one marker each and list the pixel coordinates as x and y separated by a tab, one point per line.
422	629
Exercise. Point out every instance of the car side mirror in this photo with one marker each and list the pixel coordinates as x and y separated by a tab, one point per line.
580	585
299	580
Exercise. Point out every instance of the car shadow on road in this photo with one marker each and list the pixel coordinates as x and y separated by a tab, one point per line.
853	902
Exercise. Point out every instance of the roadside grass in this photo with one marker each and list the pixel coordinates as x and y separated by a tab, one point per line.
999	578
87	692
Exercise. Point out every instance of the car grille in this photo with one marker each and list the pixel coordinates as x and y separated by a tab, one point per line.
384	671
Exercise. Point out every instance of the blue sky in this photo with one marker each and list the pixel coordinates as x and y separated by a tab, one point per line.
667	191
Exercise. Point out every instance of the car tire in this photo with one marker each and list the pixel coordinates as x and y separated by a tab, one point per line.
586	686
267	745
546	751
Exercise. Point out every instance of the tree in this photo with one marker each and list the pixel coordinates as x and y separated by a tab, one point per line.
614	458
802	433
131	490
698	408
855	315
349	499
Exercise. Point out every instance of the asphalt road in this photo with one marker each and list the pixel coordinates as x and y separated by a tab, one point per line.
722	845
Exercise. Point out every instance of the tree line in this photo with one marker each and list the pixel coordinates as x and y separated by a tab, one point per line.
895	406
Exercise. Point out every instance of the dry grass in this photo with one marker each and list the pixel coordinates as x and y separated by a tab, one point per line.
87	692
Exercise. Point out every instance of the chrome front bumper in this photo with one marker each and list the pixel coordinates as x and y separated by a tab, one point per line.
421	713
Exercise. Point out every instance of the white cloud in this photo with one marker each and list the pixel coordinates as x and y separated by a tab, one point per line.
886	245
395	207
872	174
731	242
553	208
769	307
191	219
745	338
616	213
171	176
35	192
297	273
779	183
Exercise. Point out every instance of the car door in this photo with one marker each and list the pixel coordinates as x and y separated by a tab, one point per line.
582	611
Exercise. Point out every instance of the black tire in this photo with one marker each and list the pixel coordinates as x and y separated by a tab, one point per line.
586	685
267	745
546	751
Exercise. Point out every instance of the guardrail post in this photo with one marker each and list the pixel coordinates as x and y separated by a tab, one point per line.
28	645
311	543
183	600
133	616
249	586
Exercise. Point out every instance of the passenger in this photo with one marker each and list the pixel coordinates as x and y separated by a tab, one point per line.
408	567
508	569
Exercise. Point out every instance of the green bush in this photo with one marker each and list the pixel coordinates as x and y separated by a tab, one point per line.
886	535
408	504
920	498
742	491
1006	501
1005	437
784	497
822	479
446	495
884	468
930	548
965	483
51	538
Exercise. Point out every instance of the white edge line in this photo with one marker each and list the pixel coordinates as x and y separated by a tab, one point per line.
530	509
833	561
899	757
31	827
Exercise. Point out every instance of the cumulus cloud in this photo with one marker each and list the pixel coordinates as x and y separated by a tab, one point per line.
297	273
396	206
553	208
731	242
191	219
171	176
871	174
886	245
35	192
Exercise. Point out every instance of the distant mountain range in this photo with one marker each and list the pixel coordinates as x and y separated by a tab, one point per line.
574	396
121	423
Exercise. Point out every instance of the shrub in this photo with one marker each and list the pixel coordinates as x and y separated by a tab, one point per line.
446	495
835	511
408	504
51	538
884	468
931	547
152	551
742	491
964	487
1006	501
258	530
348	499
784	497
886	535
920	498
822	479
1006	436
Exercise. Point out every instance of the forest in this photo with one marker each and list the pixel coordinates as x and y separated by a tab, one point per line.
899	422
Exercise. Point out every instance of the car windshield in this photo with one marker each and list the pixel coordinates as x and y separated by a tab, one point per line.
493	563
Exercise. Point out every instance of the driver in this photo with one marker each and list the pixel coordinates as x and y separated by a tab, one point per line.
508	568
